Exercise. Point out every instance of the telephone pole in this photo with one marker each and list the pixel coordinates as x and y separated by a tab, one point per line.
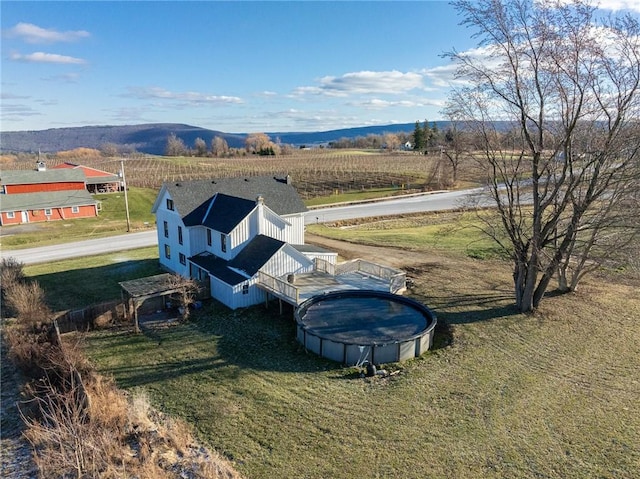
126	198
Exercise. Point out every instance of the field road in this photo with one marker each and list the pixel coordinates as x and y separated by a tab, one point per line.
395	206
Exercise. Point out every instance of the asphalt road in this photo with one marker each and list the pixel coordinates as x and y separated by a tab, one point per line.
403	205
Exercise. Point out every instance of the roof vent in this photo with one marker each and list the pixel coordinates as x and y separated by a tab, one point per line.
41	166
246	179
178	184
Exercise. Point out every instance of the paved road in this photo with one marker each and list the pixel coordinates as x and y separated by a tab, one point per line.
45	254
407	204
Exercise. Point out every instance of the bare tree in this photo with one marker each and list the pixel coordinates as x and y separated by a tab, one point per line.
567	83
219	146
175	146
257	142
185	290
200	147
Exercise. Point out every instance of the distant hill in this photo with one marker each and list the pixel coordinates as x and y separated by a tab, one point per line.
152	138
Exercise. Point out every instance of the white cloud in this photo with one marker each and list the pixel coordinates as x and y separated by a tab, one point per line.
192	97
617	5
364	82
42	57
31	33
379	104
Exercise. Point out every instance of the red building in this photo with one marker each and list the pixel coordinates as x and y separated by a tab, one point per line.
44	195
97	181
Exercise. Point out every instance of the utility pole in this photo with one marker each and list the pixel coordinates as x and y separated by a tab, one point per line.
126	198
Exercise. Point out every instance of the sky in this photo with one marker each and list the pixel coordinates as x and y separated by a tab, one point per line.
236	67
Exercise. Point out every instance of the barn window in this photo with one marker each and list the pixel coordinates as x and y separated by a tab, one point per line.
48	212
208	237
75	209
223	243
11	214
167	251
183	259
245	289
170	204
180	234
166	229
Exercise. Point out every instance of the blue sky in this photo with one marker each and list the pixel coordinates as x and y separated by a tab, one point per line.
229	66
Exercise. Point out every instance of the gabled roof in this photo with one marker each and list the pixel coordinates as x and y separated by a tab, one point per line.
256	254
33	177
42	200
88	171
253	257
191	198
226	212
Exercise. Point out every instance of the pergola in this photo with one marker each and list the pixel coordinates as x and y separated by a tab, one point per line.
137	291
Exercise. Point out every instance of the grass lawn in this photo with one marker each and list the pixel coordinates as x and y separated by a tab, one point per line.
550	394
78	282
448	231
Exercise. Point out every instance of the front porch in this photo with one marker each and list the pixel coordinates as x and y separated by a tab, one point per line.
356	274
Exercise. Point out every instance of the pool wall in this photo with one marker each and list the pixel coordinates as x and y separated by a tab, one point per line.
376	353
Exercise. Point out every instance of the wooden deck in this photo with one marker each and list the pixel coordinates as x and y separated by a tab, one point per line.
351	275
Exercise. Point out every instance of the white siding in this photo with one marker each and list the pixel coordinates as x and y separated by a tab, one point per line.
232	296
197	240
173	221
295	232
286	261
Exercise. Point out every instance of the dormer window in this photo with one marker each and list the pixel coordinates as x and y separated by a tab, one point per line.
169	204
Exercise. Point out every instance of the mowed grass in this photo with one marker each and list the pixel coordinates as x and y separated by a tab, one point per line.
550	394
447	231
78	282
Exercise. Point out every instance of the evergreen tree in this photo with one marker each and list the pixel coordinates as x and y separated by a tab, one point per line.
418	138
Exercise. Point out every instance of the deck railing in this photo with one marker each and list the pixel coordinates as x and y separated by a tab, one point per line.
397	279
279	287
324	266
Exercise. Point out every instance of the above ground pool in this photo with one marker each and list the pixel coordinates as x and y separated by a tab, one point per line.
354	326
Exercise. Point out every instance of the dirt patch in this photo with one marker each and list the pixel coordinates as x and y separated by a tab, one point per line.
395	257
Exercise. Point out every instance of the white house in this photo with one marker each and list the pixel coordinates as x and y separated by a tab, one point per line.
226	231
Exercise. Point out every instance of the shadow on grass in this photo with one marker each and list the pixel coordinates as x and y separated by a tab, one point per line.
221	344
77	288
216	342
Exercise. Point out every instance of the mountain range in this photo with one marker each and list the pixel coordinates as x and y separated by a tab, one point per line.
152	138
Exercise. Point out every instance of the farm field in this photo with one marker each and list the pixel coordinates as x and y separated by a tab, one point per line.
502	395
320	177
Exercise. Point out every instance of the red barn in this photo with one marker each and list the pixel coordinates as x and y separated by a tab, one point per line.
44	195
97	181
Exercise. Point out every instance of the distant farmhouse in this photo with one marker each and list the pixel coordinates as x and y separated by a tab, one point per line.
227	232
28	196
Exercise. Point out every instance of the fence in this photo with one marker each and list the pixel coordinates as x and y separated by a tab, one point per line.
91	316
396	278
278	287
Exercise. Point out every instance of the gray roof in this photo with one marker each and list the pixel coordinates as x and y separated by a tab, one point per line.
191	198
253	257
50	199
227	212
99	180
31	177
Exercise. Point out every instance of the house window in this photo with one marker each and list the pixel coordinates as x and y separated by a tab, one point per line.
223	243
48	212
245	289
167	251
183	259
166	229
75	209
170	204
180	234
208	237
11	214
